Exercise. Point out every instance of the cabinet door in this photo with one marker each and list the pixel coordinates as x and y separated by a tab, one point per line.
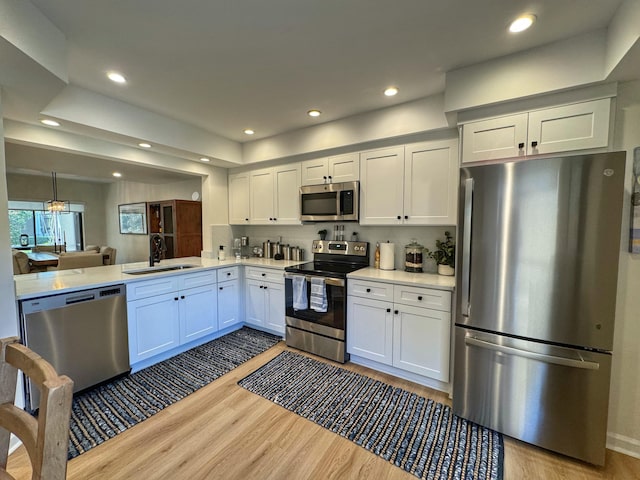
274	304
421	341
261	196
381	186
154	326
431	183
344	168
254	302
198	312
502	137
228	304
314	172
239	199
370	329
287	194
570	127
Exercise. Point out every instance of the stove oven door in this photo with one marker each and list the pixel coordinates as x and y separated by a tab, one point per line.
330	323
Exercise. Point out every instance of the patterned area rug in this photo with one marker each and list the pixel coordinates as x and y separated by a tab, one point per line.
109	409
419	435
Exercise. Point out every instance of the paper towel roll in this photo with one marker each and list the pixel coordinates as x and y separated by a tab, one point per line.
387	261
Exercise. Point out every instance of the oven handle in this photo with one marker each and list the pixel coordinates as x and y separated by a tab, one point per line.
336	282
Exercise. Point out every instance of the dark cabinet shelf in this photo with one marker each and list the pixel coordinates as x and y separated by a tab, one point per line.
179	223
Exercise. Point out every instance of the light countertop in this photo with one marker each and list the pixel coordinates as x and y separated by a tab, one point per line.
34	285
431	280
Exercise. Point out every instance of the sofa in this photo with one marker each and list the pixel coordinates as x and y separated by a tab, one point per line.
108	253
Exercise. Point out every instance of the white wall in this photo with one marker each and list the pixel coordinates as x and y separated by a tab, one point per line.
624	411
9	318
91	194
135	248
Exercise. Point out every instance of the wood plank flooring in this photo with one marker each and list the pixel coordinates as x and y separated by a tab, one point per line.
225	432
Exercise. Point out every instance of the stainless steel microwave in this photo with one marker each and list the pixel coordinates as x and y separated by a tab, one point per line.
331	202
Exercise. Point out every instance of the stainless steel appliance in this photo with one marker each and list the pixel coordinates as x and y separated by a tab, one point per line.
82	334
323	333
536	299
332	202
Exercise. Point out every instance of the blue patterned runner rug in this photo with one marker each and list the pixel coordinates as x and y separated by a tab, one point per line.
109	409
414	433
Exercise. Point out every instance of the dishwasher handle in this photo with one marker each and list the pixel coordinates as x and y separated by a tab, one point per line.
80	299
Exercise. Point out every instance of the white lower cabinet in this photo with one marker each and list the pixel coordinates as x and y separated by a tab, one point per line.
167	312
229	304
401	326
264	299
370	329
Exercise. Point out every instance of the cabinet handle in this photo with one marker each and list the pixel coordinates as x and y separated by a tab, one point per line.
228	274
220	288
246	219
324	177
261	286
182	297
265	287
274	219
534	144
521	145
406	217
329	177
175	299
263	274
420	298
368	290
399	217
388	310
395	311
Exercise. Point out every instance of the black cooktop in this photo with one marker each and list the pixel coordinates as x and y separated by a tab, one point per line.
325	269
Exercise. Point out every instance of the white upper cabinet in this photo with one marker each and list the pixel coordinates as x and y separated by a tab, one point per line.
431	183
239	199
382	186
578	126
411	185
337	169
274	195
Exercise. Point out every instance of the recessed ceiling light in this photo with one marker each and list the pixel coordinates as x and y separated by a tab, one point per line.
391	91
314	113
51	123
248	131
204	159
116	174
521	23
145	145
116	77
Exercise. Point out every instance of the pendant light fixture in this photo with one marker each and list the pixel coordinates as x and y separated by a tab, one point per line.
56	205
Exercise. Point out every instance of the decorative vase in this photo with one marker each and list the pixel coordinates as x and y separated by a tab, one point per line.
445	270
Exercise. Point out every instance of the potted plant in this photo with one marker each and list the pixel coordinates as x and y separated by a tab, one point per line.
444	255
322	233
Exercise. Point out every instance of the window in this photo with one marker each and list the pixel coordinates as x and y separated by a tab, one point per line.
45	228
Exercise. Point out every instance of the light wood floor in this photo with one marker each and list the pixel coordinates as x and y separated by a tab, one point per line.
224	432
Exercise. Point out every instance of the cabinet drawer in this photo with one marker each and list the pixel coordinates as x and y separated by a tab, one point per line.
422	297
265	274
376	290
196	279
228	273
149	288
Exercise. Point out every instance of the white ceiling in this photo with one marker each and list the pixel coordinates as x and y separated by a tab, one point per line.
224	66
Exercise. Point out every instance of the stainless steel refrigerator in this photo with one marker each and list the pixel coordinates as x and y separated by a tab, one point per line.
539	244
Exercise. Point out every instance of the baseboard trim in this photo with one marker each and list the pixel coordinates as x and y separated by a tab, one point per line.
14	443
622	444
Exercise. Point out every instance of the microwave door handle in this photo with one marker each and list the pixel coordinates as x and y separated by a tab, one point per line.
340	202
466	248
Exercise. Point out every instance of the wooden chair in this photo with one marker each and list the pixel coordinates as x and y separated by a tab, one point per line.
46	438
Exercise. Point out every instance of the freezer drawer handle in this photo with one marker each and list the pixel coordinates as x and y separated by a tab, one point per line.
567	362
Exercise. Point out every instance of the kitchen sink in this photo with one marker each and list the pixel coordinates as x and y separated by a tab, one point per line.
167	268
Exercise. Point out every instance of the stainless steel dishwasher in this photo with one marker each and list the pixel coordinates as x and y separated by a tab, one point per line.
82	334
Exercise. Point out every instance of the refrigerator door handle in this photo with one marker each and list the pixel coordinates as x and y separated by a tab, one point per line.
466	247
567	362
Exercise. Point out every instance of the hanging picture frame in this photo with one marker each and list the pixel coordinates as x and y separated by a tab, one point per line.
133	218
